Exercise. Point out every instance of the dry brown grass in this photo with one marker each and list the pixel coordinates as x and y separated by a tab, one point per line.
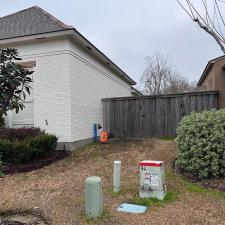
58	190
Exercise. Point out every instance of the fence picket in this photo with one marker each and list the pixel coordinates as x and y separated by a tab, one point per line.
152	116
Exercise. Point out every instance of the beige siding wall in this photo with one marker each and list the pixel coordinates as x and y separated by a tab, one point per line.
215	80
220	82
209	83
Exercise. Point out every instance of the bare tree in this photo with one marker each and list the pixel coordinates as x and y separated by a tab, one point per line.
159	77
178	84
208	14
156	74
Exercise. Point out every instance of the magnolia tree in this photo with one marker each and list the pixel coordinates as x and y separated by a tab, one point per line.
14	82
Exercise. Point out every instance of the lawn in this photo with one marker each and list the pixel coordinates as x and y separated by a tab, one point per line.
57	191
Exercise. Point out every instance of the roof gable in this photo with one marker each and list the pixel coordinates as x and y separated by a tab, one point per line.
29	21
208	68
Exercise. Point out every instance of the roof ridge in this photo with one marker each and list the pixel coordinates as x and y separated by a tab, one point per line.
59	22
17	12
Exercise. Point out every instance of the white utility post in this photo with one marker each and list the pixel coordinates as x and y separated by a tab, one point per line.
117	176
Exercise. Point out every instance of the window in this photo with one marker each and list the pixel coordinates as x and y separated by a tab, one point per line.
25	117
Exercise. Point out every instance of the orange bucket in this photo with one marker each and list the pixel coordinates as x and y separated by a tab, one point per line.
104	137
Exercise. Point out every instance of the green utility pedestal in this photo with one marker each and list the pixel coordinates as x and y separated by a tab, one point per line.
93	197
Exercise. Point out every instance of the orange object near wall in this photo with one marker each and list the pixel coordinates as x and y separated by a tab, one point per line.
104	137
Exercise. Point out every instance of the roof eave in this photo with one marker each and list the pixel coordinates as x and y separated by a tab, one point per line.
108	61
59	33
134	90
208	68
205	73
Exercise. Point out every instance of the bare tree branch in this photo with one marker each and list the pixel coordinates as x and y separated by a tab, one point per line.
218	8
159	77
212	34
209	26
210	20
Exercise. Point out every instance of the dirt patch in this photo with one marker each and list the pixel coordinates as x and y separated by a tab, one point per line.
216	183
8	168
21	219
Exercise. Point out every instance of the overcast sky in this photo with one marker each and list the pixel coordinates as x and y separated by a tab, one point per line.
129	30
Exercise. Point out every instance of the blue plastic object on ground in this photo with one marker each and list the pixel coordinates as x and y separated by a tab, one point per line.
130	208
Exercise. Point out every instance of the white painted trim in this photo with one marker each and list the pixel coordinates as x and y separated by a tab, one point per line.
23	122
34	37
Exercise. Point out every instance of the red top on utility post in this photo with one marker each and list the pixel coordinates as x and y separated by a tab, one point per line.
151	163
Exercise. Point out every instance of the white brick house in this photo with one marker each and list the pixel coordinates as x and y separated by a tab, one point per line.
70	79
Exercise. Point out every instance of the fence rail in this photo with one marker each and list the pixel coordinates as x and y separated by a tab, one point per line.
152	116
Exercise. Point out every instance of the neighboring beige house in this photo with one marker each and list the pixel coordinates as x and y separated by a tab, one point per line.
213	79
70	77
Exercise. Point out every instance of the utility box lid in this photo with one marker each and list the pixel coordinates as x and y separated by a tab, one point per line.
131	208
151	163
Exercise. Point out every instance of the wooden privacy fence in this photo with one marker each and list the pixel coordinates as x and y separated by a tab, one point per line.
152	116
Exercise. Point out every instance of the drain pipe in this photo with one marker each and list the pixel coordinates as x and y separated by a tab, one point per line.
117	176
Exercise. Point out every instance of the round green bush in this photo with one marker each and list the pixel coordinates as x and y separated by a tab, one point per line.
201	144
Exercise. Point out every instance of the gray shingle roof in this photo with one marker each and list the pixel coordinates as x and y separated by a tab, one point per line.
29	21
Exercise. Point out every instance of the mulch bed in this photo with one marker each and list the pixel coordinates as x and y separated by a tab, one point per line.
8	168
216	183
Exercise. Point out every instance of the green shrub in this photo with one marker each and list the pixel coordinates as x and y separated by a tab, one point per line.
6	148
22	151
2	121
44	142
201	144
17	152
